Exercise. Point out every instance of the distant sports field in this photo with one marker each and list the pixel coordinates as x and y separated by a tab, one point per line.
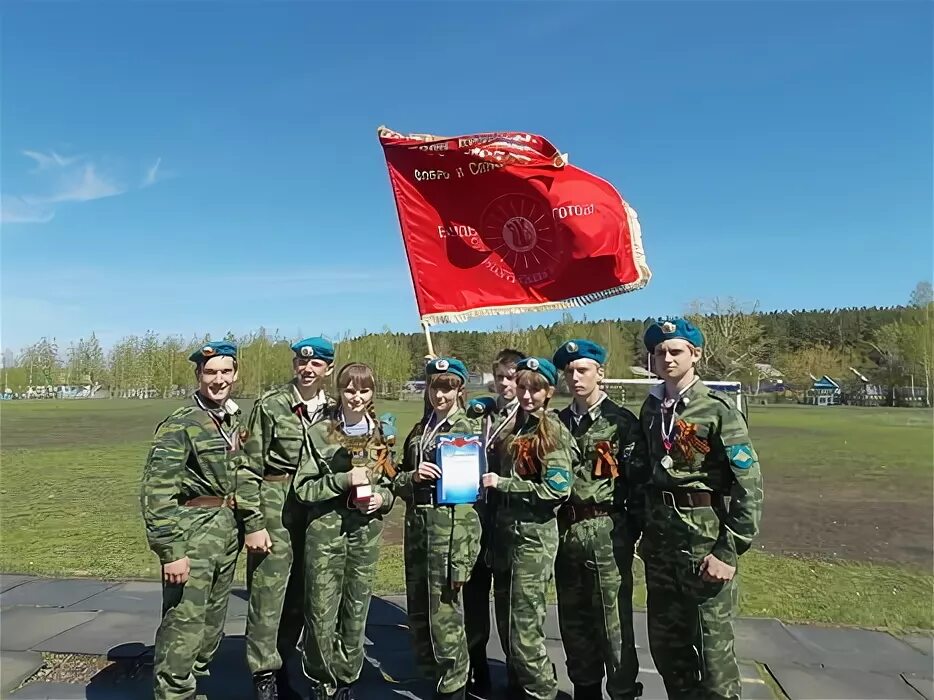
847	532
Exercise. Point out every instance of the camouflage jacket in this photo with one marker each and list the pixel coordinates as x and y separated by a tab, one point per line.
277	442
548	481
195	452
325	474
414	452
710	451
613	453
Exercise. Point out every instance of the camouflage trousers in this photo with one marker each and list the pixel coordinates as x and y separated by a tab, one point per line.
524	559
341	550
441	548
690	621
276	581
593	576
477	600
194	613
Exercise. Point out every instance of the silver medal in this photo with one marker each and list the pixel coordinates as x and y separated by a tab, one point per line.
667	462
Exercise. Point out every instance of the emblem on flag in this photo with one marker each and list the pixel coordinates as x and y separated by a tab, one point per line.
500	222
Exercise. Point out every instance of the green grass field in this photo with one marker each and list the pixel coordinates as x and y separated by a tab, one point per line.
69	484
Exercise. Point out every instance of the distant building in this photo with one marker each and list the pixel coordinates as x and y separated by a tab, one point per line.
823	392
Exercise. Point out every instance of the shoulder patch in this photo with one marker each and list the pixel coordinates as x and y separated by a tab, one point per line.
558	478
742	456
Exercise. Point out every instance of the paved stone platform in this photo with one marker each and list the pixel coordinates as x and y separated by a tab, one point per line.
118	620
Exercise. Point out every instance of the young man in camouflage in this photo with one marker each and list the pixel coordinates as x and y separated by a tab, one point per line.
188	506
593	570
278	443
700	455
496	414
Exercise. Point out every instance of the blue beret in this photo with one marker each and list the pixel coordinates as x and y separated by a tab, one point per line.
216	348
541	365
481	406
317	347
447	364
671	328
579	350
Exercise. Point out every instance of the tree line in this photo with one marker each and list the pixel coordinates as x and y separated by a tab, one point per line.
889	345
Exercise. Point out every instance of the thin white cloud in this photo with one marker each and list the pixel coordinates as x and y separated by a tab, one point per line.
152	174
83	186
45	161
16	210
67	179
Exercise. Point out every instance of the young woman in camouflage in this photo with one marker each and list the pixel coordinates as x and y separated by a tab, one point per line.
699	455
441	541
537	458
345	482
192	521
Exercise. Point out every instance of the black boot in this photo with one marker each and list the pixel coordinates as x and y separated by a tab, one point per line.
479	685
514	690
459	694
264	686
286	692
588	692
344	692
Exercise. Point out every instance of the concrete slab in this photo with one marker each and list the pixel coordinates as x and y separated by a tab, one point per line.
923	684
138	597
8	581
57	691
767	640
129	690
386	612
922	642
815	683
17	666
25	627
52	593
108	633
238	604
235	626
862	650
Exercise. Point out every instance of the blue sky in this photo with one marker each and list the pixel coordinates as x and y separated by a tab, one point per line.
199	167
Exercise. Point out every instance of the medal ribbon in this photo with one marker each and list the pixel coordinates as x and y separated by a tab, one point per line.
667	431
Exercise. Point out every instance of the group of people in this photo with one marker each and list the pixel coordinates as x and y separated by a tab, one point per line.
566	495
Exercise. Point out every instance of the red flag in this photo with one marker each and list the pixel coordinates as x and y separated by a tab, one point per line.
501	223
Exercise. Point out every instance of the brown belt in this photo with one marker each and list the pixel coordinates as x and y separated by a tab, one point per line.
212	502
277	477
689	499
575	513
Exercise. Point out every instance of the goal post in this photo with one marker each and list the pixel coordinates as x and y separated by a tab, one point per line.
638	389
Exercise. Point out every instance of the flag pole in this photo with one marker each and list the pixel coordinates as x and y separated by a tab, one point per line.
431	348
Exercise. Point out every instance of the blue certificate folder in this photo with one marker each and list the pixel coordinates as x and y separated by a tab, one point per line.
461	458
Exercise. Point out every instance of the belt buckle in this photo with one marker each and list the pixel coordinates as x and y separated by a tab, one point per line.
668	498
